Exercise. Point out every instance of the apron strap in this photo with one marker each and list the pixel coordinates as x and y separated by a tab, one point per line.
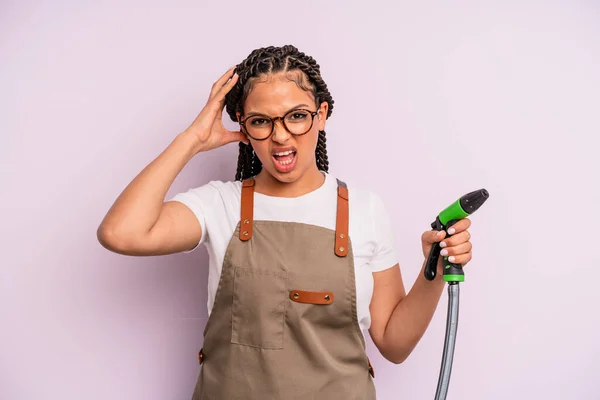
246	221
341	223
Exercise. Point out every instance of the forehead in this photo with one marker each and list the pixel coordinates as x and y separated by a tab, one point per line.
275	94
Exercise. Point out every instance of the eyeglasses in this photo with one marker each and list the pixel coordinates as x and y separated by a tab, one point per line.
297	122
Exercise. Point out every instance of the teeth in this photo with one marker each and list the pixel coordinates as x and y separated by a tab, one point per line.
284	153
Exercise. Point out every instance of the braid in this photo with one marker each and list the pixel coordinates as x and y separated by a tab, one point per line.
241	167
313	74
247	163
268	60
256	165
321	153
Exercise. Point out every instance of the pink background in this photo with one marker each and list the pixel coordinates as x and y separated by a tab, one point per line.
432	100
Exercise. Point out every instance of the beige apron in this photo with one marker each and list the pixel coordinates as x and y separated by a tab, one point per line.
284	322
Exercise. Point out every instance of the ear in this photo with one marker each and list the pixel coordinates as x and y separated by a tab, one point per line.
238	116
322	115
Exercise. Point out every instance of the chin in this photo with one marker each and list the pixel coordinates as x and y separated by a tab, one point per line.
286	176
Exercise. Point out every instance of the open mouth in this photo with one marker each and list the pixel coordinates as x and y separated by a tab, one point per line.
284	161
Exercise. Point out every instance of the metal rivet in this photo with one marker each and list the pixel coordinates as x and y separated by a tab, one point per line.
342	249
246	221
342	236
296	295
327	297
245	233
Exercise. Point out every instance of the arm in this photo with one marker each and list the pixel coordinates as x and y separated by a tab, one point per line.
140	222
399	320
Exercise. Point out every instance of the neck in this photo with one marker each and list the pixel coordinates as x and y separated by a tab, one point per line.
309	181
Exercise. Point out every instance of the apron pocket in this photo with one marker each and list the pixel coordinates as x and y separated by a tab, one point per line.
258	308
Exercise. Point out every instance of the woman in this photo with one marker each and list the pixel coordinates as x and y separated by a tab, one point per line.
300	263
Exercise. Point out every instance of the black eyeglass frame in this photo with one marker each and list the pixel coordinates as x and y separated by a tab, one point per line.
312	121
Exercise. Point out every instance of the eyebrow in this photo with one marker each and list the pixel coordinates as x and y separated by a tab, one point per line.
252	113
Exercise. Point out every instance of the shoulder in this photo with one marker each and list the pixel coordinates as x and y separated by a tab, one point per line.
216	205
368	213
363	199
211	197
372	227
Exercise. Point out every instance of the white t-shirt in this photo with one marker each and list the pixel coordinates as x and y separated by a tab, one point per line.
217	207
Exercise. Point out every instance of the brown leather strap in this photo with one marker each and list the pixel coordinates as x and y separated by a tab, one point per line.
341	224
247	212
303	296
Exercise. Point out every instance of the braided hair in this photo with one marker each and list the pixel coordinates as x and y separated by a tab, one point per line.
264	61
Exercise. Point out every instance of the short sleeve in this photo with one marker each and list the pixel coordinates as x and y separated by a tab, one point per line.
384	252
199	200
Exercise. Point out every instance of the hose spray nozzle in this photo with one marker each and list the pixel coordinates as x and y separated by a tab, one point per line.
461	208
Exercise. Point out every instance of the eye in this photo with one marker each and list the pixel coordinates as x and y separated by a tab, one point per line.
258	121
298	115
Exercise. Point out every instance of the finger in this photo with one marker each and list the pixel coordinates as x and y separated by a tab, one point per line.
217	100
456	239
221	81
220	94
433	236
235	137
457	250
461	225
461	259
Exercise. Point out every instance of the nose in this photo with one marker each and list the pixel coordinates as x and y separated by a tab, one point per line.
280	134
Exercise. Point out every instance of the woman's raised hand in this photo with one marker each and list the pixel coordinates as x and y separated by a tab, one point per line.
208	129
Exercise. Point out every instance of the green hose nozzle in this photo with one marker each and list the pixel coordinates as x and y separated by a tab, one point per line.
461	208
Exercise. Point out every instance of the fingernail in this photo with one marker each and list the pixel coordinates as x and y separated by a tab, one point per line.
451	231
442	244
444	252
451	259
439	233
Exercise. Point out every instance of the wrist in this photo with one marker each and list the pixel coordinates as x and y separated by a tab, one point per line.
189	141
